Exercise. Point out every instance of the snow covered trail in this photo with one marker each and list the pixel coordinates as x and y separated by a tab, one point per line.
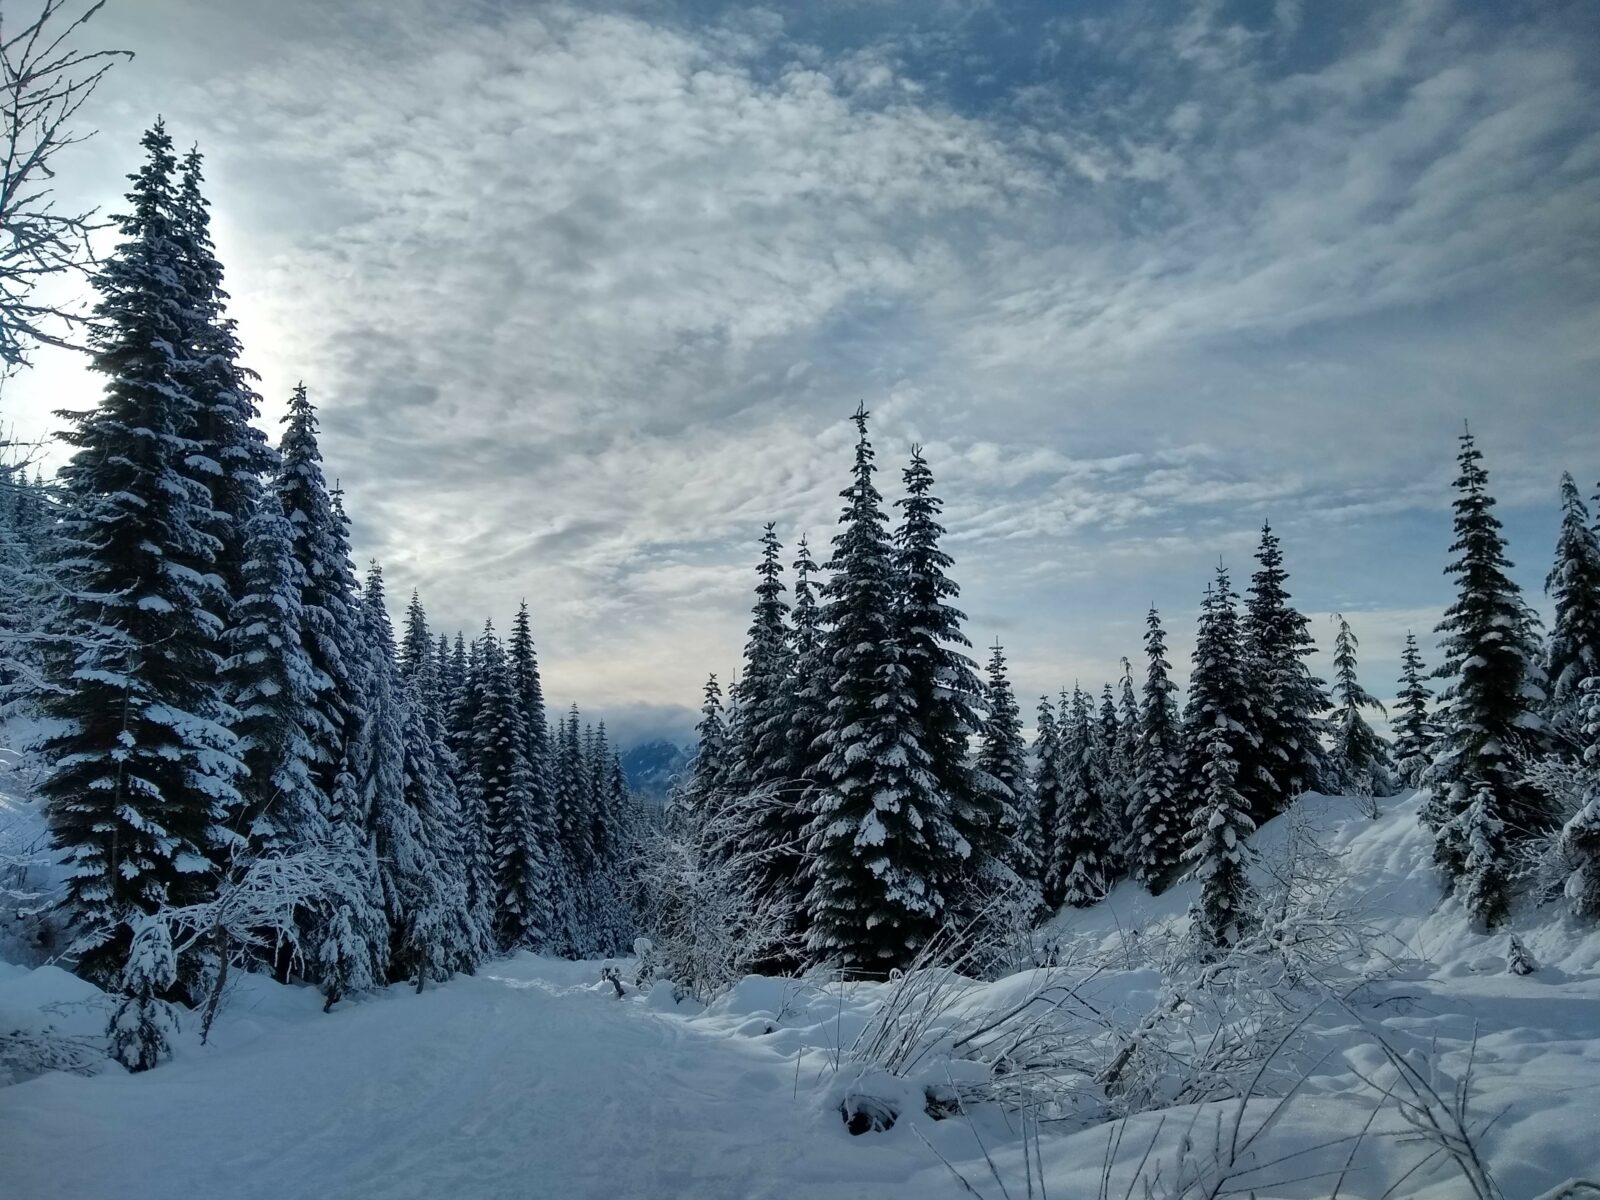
521	1082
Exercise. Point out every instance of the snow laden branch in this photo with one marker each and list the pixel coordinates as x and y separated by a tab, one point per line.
262	910
707	926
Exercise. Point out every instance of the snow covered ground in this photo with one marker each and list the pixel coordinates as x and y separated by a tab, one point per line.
533	1080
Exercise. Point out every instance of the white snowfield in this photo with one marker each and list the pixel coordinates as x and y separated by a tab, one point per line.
533	1080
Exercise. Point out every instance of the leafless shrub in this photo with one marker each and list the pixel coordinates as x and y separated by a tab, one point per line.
706	928
44	82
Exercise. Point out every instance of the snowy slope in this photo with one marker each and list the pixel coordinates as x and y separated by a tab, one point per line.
532	1079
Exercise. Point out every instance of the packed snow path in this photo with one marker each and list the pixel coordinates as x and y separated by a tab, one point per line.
521	1082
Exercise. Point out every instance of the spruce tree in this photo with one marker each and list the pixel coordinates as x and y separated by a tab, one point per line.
1217	853
757	753
576	823
528	685
522	918
944	686
407	870
1114	785
1286	700
231	455
1219	699
806	719
1580	836
1358	764
1003	757
1479	801
273	688
1573	585
1049	790
880	838
1083	865
709	771
142	767
458	941
1413	728
1160	815
327	587
812	684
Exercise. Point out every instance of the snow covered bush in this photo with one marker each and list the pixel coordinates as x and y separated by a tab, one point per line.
706	929
142	1025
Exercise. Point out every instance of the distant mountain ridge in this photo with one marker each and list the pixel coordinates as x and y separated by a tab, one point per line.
653	767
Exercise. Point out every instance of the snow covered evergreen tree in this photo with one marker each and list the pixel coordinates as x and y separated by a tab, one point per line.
767	826
758	751
1358	763
231	455
142	766
1083	868
1115	787
880	840
943	687
273	686
1219	698
521	871
1160	814
1286	700
326	580
528	686
576	821
141	1026
1573	585
1479	800
1217	854
1050	793
1580	836
709	771
1003	757
1413	728
455	938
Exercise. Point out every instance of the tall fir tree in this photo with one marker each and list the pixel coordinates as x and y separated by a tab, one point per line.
142	767
1115	786
709	771
810	691
231	455
406	867
273	687
1479	802
1003	757
1160	815
1413	726
500	747
576	823
758	752
1049	792
1359	762
1573	586
944	687
1580	836
528	686
881	843
1286	700
326	581
1219	698
1084	853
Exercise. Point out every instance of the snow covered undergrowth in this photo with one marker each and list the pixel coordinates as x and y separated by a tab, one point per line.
533	1079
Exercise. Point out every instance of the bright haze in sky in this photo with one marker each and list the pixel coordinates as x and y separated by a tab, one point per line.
586	293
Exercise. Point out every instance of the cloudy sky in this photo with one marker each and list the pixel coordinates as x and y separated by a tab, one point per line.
586	293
